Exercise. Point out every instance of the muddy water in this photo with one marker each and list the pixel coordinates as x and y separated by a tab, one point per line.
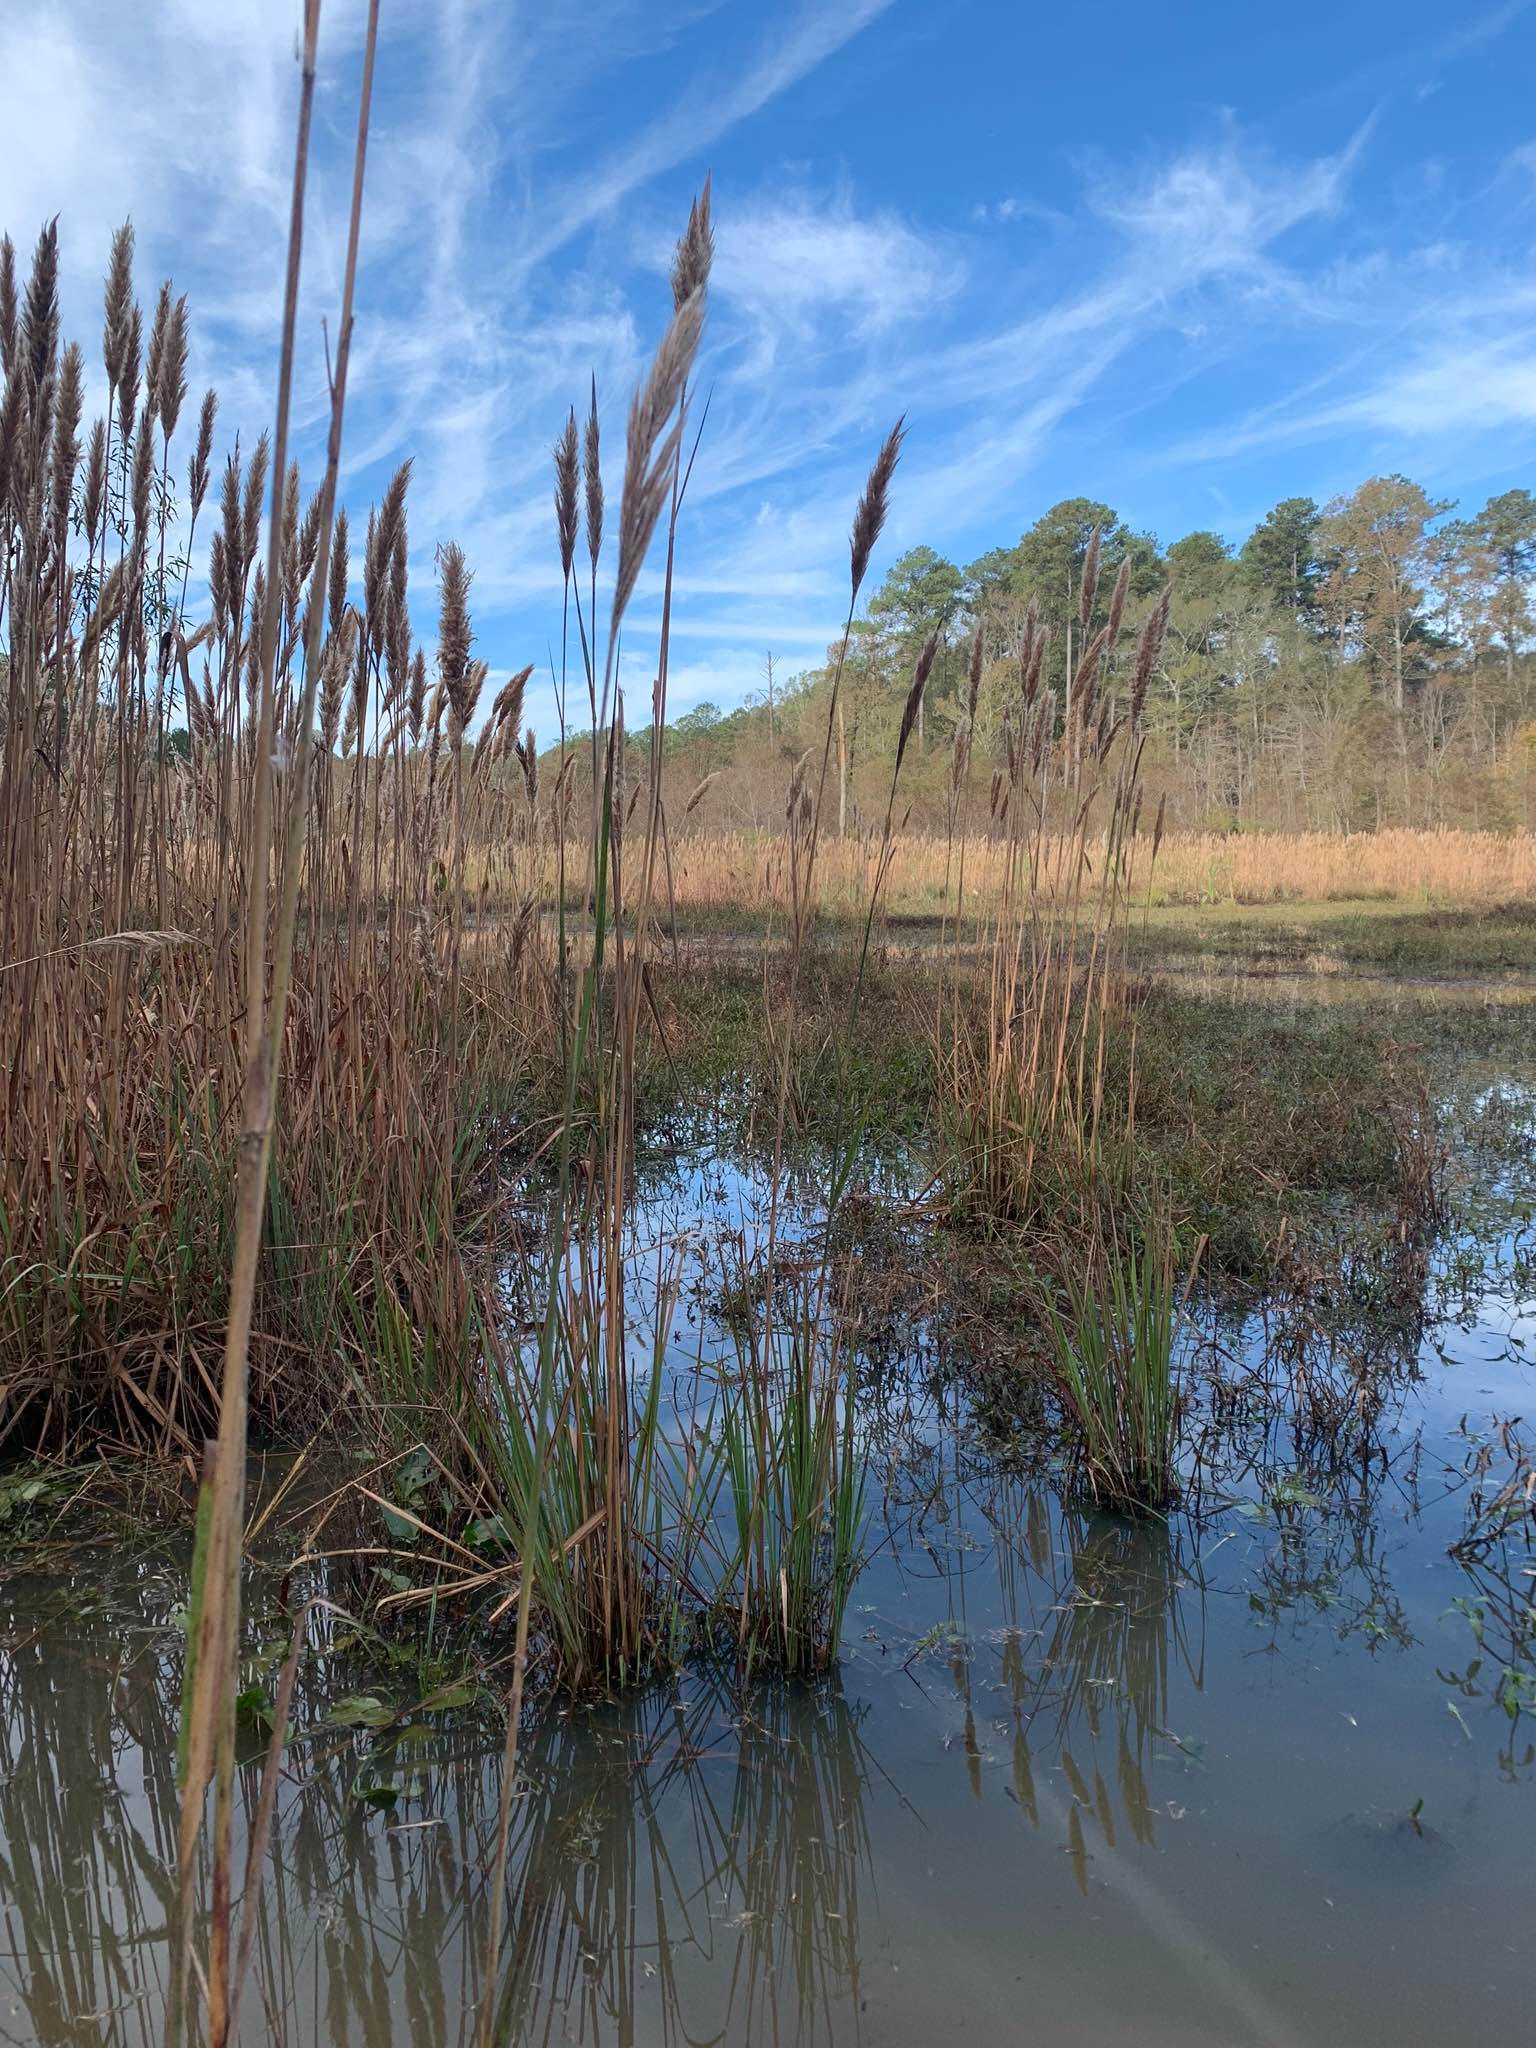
1265	1773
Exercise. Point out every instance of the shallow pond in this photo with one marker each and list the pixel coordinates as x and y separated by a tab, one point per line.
1265	1773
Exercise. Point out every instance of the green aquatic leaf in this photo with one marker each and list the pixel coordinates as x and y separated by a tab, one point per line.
254	1707
361	1710
398	1527
464	1694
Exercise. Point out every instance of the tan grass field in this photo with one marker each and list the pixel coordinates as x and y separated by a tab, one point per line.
720	871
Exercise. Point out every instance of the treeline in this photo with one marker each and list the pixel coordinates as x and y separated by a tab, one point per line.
1357	664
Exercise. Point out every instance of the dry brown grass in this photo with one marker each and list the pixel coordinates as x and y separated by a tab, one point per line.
719	871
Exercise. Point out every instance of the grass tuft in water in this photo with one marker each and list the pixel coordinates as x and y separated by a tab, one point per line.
1114	1350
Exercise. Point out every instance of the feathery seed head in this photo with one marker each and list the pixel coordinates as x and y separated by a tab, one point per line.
453	632
909	711
255	493
218	583
416	700
118	306
695	252
93	496
507	708
337	588
1090	583
159	334
1148	649
592	469
309	536
651	446
289	557
173	370
66	445
197	468
567	481
8	327
873	506
375	566
143	479
1117	600
39	338
129	364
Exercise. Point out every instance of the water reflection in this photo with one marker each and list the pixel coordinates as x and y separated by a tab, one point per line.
1084	1617
685	1864
1160	1754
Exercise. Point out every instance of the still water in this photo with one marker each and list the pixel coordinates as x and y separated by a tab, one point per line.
1261	1774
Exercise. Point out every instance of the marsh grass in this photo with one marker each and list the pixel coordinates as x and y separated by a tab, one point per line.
1116	1351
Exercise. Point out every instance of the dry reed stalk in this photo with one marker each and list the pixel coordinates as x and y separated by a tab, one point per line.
213	1638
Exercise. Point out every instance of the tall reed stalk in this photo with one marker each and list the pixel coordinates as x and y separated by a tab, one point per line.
213	1619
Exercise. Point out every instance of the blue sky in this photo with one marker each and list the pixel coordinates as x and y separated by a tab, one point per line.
1185	260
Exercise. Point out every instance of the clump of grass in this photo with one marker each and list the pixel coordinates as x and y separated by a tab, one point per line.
794	1480
1115	1349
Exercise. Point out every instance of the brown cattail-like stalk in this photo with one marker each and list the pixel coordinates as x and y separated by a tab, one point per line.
130	362
219	598
289	552
567	484
197	468
398	629
651	447
870	515
66	445
1117	600
910	709
7	304
94	491
159	334
143	481
173	370
255	492
592	470
336	595
973	680
1088	589
1034	665
39	338
507	705
695	252
454	639
1087	676
1148	648
118	306
416	699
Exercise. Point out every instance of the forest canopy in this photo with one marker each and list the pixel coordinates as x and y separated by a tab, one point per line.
1358	663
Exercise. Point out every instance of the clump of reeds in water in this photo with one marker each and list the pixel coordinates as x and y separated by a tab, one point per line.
1115	1345
1024	1062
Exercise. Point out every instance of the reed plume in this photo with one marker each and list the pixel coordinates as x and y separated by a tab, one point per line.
567	486
651	447
695	252
870	516
592	472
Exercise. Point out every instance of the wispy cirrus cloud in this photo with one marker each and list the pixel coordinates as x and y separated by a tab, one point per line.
1142	323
